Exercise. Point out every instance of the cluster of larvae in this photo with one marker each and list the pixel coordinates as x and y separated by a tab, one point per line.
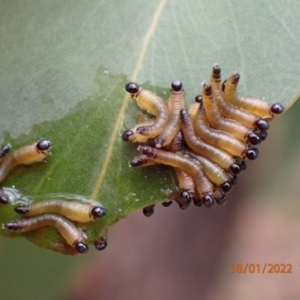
208	144
54	213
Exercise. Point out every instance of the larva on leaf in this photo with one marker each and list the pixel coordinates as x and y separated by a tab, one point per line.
74	236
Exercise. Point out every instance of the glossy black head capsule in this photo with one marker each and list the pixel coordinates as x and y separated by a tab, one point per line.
252	153
198	99
167	203
148	210
4	150
226	187
82	247
131	87
216	69
100	245
254	138
22	209
176	85
98	212
262	124
208	201
126	134
222	200
235	169
43	144
185	199
277	108
4	198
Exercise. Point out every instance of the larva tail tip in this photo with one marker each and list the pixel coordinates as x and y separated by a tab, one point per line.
82	247
98	212
176	85
252	153
277	108
100	245
131	87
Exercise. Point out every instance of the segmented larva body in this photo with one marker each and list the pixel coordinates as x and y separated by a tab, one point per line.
230	111
258	107
154	105
217	121
26	155
203	185
221	139
220	157
74	236
75	211
176	102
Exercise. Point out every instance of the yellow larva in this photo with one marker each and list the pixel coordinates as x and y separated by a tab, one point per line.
221	139
228	110
154	105
176	102
26	155
73	236
217	121
75	211
258	107
203	185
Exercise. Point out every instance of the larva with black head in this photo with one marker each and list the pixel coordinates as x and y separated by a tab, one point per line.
217	121
220	157
154	105
176	102
4	150
230	111
26	155
203	186
213	172
74	236
258	107
133	136
220	139
101	243
75	211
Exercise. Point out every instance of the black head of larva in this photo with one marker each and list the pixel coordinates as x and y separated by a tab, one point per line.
22	209
98	212
100	245
43	144
131	87
4	198
167	203
254	138
208	201
216	69
277	108
5	149
263	135
262	124
226	187
126	134
235	168
176	85
148	211
198	99
252	153
185	199
222	199
82	247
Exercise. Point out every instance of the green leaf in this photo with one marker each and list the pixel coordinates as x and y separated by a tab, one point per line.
63	71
